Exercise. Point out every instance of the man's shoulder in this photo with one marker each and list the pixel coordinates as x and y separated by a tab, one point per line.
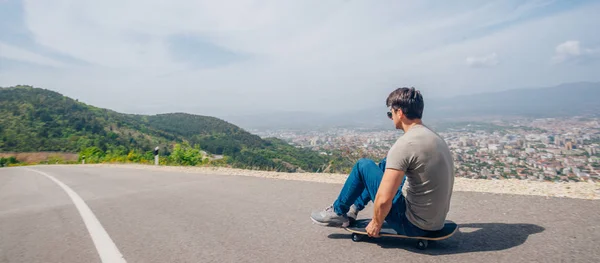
429	133
425	129
419	133
402	141
418	136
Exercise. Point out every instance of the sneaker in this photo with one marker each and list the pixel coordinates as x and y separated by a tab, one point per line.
328	217
352	214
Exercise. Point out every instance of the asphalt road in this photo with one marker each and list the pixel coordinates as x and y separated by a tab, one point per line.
154	216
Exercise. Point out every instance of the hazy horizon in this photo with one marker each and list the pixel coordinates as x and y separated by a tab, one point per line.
201	57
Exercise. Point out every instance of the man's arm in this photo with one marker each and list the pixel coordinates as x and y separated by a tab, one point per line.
388	188
399	159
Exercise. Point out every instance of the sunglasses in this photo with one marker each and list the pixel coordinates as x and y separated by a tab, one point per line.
389	114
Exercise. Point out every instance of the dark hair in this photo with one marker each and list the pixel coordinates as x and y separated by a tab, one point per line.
409	100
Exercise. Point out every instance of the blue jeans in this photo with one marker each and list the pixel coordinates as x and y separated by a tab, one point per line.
361	187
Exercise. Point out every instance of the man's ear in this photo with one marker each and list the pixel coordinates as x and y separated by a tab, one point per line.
399	113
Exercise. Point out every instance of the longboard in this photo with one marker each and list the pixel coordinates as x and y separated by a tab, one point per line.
358	230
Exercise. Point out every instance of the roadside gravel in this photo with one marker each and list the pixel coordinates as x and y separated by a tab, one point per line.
580	190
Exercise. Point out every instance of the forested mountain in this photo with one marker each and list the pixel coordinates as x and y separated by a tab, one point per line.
41	120
214	135
35	119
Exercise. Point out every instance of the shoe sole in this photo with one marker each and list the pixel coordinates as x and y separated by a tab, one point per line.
346	224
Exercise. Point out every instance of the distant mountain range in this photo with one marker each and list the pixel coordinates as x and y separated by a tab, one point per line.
569	99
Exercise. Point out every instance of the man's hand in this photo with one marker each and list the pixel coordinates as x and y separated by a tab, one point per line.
373	229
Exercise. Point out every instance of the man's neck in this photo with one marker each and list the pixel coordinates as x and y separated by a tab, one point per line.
408	125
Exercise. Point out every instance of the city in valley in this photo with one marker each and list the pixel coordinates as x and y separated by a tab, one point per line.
550	149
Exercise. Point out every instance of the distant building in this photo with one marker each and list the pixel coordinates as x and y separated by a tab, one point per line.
569	145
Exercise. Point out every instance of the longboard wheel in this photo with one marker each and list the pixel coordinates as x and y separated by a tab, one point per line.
422	244
356	237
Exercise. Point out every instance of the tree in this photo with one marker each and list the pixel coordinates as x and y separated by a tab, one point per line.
184	154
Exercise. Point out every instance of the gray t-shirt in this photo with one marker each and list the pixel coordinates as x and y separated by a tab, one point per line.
427	162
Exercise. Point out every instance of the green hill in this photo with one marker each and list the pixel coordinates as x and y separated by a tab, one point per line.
41	120
35	119
214	135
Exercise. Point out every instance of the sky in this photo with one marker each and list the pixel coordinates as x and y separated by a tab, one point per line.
243	57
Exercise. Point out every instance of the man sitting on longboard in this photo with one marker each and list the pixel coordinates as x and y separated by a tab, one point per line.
411	187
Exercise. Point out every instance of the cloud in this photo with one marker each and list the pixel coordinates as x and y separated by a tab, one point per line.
572	51
19	54
489	60
293	55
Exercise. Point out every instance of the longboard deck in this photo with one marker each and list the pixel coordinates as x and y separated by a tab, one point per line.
358	230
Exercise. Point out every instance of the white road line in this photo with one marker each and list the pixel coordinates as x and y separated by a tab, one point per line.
106	248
